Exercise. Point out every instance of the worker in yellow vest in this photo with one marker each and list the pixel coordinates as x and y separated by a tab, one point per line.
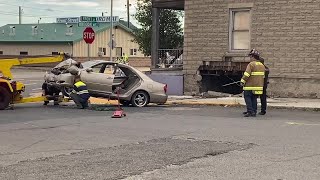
80	94
252	82
125	58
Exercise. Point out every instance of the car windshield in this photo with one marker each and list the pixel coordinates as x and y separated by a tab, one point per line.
66	64
88	64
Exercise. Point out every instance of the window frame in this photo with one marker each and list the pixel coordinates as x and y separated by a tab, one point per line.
134	52
24	53
231	27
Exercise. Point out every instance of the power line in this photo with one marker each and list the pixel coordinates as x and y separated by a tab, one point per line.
45	9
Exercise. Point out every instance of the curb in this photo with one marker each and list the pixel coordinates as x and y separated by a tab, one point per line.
205	104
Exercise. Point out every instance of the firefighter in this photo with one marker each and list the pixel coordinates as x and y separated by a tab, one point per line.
263	97
53	92
80	94
252	82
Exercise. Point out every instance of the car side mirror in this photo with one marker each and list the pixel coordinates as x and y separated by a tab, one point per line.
89	70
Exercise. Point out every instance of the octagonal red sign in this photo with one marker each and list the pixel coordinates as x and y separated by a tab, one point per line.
89	35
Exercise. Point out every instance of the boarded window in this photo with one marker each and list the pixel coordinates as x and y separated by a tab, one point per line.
118	51
240	29
24	53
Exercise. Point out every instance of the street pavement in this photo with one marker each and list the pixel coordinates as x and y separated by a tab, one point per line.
157	142
166	142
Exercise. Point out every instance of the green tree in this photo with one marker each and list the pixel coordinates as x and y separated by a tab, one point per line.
171	32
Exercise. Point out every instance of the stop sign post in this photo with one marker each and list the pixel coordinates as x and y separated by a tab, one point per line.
89	36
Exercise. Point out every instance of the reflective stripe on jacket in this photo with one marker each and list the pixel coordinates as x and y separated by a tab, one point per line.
81	89
253	77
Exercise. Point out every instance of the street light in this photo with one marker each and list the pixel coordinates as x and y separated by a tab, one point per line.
39	20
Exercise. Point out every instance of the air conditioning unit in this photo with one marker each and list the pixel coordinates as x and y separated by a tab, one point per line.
100	53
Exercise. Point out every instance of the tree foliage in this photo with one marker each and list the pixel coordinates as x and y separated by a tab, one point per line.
171	32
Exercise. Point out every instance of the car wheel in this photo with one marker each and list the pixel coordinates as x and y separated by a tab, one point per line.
125	103
140	99
5	98
66	91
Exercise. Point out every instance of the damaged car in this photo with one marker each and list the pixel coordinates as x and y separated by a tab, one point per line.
106	79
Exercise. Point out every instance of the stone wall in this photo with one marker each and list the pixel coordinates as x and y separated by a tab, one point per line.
286	32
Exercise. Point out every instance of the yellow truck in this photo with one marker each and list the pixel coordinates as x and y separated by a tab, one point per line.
11	90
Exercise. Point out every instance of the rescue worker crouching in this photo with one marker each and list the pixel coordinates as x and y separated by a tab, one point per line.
80	94
252	82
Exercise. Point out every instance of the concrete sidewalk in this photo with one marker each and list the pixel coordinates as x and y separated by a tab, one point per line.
291	103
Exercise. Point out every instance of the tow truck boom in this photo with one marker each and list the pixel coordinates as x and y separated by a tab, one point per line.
10	90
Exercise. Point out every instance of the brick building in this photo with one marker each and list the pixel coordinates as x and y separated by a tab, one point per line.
219	34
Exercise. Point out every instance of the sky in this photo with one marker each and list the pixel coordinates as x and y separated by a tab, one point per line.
49	10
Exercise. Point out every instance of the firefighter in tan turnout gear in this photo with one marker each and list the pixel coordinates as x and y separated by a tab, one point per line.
252	82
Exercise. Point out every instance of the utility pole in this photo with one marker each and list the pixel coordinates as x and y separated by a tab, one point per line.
20	14
111	33
128	12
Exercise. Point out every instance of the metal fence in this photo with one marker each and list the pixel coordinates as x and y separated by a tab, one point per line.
170	58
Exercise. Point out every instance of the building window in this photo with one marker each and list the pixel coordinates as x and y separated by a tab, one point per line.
1	52
12	31
24	53
239	29
133	52
102	51
55	53
119	51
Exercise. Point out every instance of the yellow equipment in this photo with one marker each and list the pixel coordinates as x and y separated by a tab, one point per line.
10	90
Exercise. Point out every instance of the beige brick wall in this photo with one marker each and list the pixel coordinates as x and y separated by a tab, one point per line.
285	31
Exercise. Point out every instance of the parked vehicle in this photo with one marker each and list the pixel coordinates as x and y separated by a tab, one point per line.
105	78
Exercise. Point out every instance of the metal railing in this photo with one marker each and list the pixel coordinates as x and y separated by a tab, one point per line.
170	58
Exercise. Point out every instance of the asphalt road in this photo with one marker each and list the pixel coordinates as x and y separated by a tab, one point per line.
164	142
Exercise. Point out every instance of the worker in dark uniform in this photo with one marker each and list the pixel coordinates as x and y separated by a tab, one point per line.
51	91
80	94
252	82
263	97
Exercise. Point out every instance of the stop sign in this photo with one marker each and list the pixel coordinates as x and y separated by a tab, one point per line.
88	35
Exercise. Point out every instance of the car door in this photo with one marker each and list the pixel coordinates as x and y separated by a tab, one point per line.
97	81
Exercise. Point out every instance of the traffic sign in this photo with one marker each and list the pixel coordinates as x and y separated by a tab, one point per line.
89	35
88	24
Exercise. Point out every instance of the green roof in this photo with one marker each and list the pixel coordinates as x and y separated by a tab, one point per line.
49	32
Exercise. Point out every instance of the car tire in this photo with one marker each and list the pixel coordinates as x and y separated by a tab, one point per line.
140	99
66	91
5	98
125	103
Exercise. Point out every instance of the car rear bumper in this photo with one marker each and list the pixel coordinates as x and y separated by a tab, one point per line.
158	98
